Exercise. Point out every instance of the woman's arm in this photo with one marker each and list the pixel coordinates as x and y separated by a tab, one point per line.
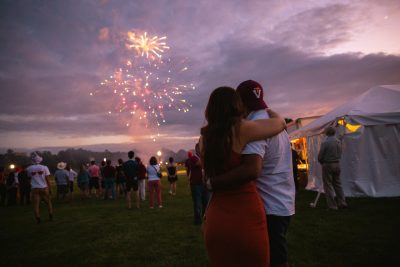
261	129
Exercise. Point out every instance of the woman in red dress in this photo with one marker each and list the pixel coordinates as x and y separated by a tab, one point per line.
235	227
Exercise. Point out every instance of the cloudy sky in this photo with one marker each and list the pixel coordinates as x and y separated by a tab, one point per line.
310	56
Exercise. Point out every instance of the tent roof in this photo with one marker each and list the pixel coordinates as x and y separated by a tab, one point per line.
378	105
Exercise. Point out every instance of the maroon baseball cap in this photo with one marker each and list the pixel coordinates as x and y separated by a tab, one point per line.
252	95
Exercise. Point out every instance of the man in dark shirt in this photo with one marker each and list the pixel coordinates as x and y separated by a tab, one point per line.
109	173
141	179
131	172
197	187
329	156
25	186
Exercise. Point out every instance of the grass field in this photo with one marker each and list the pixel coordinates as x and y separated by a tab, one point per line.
104	233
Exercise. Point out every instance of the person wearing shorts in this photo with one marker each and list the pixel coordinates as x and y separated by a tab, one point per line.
121	179
154	176
41	189
71	175
172	176
83	181
62	180
94	174
130	168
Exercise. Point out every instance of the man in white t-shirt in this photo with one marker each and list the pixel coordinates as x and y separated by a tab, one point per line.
271	161
41	189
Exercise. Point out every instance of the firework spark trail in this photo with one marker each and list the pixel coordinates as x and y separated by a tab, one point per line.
141	92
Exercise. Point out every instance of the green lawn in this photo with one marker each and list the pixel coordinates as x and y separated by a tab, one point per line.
104	233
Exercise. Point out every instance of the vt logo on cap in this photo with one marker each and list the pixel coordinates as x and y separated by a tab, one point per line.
257	92
251	93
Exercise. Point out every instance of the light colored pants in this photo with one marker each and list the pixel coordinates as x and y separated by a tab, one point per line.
142	189
332	185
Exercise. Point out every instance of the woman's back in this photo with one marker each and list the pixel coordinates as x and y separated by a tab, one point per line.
236	215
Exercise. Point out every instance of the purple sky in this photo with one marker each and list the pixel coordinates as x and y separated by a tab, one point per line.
310	56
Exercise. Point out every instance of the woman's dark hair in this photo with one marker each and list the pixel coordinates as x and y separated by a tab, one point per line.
82	168
223	113
171	159
153	161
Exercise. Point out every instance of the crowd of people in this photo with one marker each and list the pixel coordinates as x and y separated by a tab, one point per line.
104	181
241	178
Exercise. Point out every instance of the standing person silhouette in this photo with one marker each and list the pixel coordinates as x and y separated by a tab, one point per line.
329	156
275	183
131	172
141	179
40	183
235	214
24	186
154	175
200	195
94	180
172	176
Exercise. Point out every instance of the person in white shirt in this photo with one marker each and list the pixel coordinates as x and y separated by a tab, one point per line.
272	160
41	189
71	175
154	175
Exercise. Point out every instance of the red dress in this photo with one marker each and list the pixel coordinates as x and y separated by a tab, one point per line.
235	228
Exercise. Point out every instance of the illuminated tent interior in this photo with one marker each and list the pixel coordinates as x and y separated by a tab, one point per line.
369	129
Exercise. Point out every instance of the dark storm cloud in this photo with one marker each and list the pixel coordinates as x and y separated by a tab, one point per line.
317	29
296	82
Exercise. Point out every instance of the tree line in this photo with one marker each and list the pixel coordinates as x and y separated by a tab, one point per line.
73	157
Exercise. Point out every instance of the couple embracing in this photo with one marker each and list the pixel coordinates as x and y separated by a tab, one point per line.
249	169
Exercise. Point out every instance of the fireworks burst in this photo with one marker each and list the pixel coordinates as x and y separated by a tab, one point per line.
145	93
143	90
152	47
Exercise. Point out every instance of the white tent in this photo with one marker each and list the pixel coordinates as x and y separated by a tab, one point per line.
369	128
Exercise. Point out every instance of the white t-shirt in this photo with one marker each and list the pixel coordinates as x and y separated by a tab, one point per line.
276	184
72	175
38	175
152	172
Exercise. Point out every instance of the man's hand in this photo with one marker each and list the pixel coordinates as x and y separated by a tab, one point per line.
273	114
